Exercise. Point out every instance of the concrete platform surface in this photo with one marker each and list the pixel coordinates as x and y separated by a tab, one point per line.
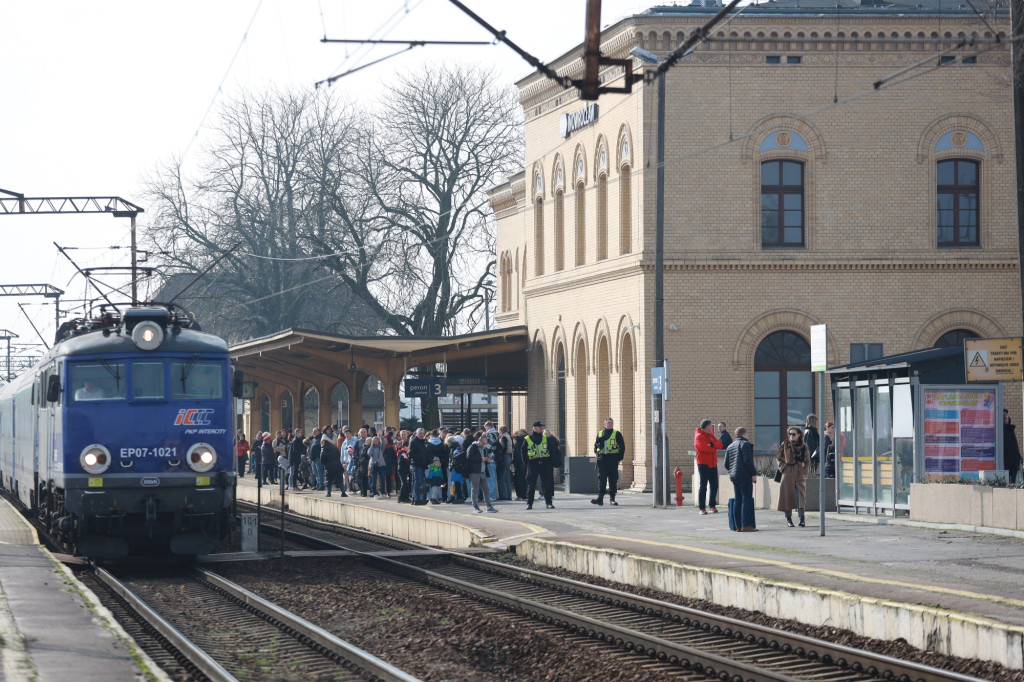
882	577
50	630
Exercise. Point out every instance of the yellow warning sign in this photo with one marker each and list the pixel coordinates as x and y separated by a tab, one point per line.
994	359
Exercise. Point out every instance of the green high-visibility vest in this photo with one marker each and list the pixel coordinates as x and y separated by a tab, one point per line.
537	450
611	445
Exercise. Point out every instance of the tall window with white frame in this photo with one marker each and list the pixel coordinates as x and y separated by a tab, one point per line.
538	237
559	230
625	214
782	203
581	224
602	217
957	198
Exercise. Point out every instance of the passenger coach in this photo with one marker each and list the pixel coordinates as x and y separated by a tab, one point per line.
120	439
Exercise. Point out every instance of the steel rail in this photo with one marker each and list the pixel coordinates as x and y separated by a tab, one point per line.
362	661
855	659
195	656
813	650
704	662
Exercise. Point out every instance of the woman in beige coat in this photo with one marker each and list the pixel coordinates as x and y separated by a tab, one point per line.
793	460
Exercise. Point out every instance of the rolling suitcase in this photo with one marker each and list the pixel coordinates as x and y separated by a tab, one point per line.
734	514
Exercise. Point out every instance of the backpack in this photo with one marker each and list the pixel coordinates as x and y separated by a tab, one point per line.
460	463
494	446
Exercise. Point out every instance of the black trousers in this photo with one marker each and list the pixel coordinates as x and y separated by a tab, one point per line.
709	482
519	469
543	467
607	479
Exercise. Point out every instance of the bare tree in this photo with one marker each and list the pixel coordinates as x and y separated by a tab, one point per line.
422	256
345	221
260	181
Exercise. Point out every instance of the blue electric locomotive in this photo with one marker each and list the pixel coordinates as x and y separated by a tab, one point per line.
120	438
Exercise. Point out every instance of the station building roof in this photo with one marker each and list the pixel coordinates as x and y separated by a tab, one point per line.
499	356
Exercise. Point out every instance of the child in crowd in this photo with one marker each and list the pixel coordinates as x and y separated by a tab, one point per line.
435	479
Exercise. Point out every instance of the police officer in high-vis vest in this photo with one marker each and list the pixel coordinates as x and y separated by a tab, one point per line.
610	448
540	454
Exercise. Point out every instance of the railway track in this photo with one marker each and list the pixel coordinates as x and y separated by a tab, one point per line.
212	629
713	645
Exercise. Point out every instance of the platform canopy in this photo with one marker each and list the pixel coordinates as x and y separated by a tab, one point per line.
296	359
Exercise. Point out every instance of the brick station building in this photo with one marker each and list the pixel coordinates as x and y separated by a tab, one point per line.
796	194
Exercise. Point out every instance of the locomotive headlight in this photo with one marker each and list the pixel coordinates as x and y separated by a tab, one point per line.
201	457
147	335
95	459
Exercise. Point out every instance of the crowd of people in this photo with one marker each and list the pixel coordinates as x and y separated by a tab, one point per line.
417	467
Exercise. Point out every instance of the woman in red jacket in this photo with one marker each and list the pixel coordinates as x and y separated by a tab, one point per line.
707	447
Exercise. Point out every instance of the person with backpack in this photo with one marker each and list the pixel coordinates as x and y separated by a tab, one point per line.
457	493
404	473
504	464
477	457
519	465
493	450
331	458
256	456
436	449
419	460
739	460
315	465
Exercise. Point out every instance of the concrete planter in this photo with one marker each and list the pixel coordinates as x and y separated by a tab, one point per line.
974	505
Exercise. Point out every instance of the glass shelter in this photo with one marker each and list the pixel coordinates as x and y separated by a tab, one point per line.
909	418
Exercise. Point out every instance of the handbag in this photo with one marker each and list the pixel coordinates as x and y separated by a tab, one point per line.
778	475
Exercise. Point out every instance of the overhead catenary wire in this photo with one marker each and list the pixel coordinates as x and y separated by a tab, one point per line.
887	81
220	86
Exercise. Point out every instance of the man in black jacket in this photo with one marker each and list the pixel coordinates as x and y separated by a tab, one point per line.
420	462
739	460
610	448
541	452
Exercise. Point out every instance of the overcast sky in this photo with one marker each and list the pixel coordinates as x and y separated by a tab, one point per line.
96	94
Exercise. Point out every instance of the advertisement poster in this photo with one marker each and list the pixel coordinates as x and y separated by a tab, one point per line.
959	431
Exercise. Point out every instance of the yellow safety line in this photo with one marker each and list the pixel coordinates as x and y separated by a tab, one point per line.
825	571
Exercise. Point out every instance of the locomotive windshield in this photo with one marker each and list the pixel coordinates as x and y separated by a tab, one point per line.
196	380
105	380
94	382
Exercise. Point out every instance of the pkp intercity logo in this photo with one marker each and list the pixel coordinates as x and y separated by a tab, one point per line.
193	417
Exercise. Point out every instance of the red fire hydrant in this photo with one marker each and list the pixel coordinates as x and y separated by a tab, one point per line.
679	487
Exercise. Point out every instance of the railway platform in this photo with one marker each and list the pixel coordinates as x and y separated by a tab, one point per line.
955	589
50	631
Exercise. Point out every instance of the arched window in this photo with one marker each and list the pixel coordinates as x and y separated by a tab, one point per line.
311	410
782	203
265	413
957	198
339	405
287	410
955	337
783	386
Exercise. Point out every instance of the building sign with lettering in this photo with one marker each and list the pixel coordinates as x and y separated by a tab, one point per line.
993	359
576	120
